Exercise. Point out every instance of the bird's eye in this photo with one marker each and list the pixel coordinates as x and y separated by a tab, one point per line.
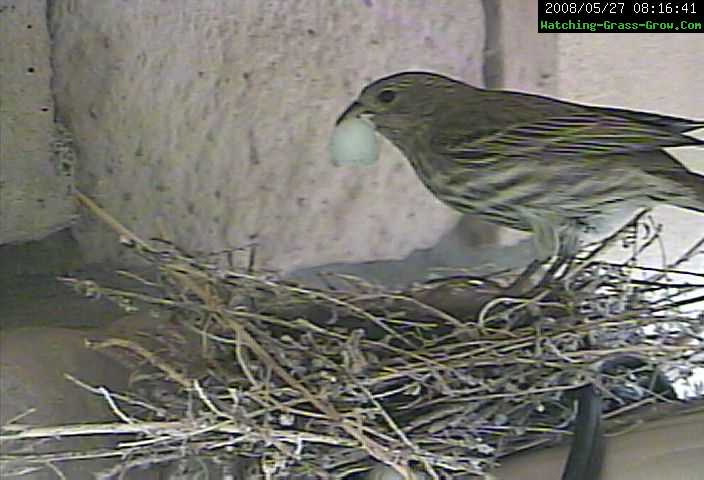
386	96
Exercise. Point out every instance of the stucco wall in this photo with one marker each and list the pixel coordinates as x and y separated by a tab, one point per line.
208	122
36	169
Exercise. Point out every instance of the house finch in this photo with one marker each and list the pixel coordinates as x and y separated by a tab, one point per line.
529	162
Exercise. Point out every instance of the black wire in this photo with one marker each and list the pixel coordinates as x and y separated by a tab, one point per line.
587	451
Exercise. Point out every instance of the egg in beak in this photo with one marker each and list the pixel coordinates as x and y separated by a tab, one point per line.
354	140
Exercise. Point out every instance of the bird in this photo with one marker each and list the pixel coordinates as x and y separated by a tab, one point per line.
558	169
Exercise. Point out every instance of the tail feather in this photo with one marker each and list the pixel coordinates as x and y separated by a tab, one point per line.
692	197
665	122
687	187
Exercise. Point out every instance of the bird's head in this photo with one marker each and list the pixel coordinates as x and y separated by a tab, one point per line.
403	100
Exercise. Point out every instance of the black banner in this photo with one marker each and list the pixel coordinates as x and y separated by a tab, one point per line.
620	17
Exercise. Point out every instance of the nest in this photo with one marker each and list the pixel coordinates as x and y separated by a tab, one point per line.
445	377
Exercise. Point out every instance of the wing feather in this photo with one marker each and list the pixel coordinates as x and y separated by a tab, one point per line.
586	133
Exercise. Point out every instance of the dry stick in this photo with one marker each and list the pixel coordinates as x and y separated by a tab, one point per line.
124	398
190	280
110	220
150	357
326	298
25	432
374	448
390	421
590	258
243	337
314	295
55	469
144	353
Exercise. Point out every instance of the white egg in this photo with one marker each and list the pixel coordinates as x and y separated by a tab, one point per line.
354	142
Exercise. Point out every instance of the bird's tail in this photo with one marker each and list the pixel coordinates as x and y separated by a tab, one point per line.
685	189
692	196
666	122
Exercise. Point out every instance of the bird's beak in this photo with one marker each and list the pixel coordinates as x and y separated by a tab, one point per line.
355	109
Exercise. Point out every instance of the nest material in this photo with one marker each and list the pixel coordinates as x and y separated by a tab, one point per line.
445	377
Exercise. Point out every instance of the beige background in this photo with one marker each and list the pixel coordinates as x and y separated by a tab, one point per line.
211	119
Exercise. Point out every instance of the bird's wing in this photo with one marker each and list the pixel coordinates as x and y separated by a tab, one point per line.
586	133
666	122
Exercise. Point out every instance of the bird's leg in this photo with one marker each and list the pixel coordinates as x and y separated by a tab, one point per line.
568	242
546	237
524	282
549	242
568	248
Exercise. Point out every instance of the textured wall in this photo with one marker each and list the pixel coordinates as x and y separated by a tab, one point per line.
661	71
209	121
35	183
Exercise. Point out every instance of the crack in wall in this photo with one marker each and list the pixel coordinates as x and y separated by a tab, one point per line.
492	70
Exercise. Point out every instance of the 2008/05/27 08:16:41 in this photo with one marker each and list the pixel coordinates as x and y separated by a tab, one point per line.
619	8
